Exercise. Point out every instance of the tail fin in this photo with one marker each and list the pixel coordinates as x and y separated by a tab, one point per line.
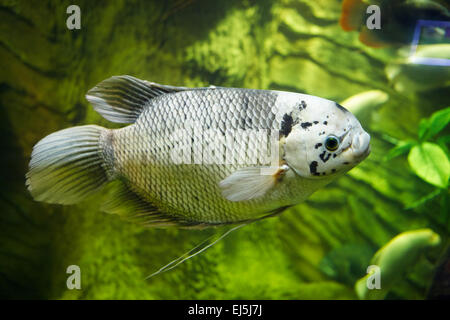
67	166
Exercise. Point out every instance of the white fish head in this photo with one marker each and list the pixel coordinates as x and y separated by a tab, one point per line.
326	140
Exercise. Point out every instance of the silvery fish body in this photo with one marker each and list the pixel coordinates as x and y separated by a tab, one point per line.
198	156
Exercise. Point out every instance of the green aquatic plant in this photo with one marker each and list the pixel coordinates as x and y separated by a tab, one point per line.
428	156
394	260
346	263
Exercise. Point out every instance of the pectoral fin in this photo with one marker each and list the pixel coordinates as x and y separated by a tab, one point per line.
251	182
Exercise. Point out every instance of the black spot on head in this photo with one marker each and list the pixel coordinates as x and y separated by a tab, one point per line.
286	125
346	162
325	122
316	122
340	107
324	156
318	145
334	155
313	168
303	104
306	125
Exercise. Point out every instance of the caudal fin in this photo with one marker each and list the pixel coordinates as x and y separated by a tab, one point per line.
67	166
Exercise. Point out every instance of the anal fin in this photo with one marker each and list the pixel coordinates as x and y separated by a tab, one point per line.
126	203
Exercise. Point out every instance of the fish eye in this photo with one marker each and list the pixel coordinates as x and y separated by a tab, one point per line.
332	143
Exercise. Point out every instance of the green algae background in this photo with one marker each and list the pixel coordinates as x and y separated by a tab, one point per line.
316	250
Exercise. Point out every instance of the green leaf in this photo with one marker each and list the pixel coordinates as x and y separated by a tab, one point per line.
423	128
432	126
430	163
442	142
402	148
444	139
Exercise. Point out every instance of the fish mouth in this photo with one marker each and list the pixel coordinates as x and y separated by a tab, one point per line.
361	146
364	154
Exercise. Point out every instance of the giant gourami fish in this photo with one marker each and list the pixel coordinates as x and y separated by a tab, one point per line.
196	157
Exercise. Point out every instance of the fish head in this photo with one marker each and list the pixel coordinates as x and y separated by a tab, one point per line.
327	140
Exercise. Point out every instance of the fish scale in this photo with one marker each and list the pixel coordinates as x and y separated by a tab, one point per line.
161	183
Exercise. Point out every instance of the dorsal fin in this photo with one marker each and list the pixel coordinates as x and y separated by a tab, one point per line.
121	98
